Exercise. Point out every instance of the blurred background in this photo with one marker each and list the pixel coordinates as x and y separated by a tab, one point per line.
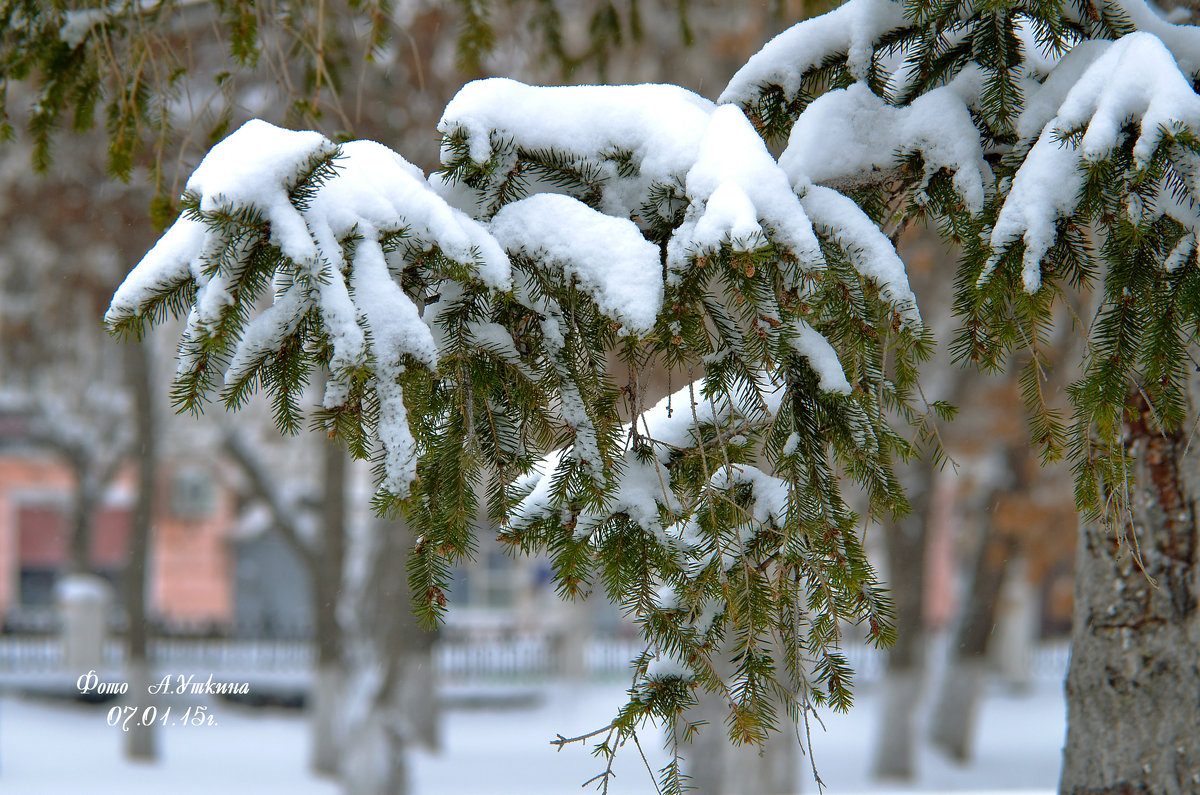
140	544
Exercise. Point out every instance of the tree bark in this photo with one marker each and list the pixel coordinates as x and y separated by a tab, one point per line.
87	497
718	767
904	542
82	596
326	575
140	741
954	715
1133	682
324	561
569	641
395	691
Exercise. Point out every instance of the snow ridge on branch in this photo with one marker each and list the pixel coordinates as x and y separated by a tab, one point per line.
1135	78
312	220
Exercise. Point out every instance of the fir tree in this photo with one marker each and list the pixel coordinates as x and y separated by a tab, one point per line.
471	322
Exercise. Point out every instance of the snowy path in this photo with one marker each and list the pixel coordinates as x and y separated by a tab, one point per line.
49	748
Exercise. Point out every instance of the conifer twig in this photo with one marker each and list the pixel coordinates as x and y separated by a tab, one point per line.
562	741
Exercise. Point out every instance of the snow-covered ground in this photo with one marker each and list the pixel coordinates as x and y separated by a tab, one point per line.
57	747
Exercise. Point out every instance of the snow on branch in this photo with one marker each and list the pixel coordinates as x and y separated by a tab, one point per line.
769	500
471	322
849	132
645	491
1187	213
77	24
821	357
739	196
331	229
608	256
851	31
1183	41
614	141
870	251
1135	78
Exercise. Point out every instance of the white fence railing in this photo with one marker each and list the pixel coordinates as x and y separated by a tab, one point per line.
528	657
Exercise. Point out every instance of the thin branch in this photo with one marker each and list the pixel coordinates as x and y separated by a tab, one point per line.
646	762
561	741
286	517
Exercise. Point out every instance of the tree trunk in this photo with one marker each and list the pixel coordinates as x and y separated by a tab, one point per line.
904	541
569	641
83	597
1133	684
324	560
1016	627
395	687
327	568
140	741
954	715
718	767
87	497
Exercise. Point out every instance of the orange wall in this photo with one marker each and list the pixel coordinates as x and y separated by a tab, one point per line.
190	573
22	478
192	569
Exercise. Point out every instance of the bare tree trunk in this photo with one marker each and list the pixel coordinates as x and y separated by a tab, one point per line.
396	689
569	641
1016	627
326	569
954	715
718	767
1133	684
324	561
140	741
904	540
83	597
87	497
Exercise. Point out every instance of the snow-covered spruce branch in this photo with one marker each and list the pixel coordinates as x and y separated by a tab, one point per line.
1019	130
470	320
468	348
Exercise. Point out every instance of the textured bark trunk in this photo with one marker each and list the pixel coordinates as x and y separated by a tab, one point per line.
140	741
327	569
953	722
1133	683
904	540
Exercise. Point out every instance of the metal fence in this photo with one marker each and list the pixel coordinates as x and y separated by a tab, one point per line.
517	658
